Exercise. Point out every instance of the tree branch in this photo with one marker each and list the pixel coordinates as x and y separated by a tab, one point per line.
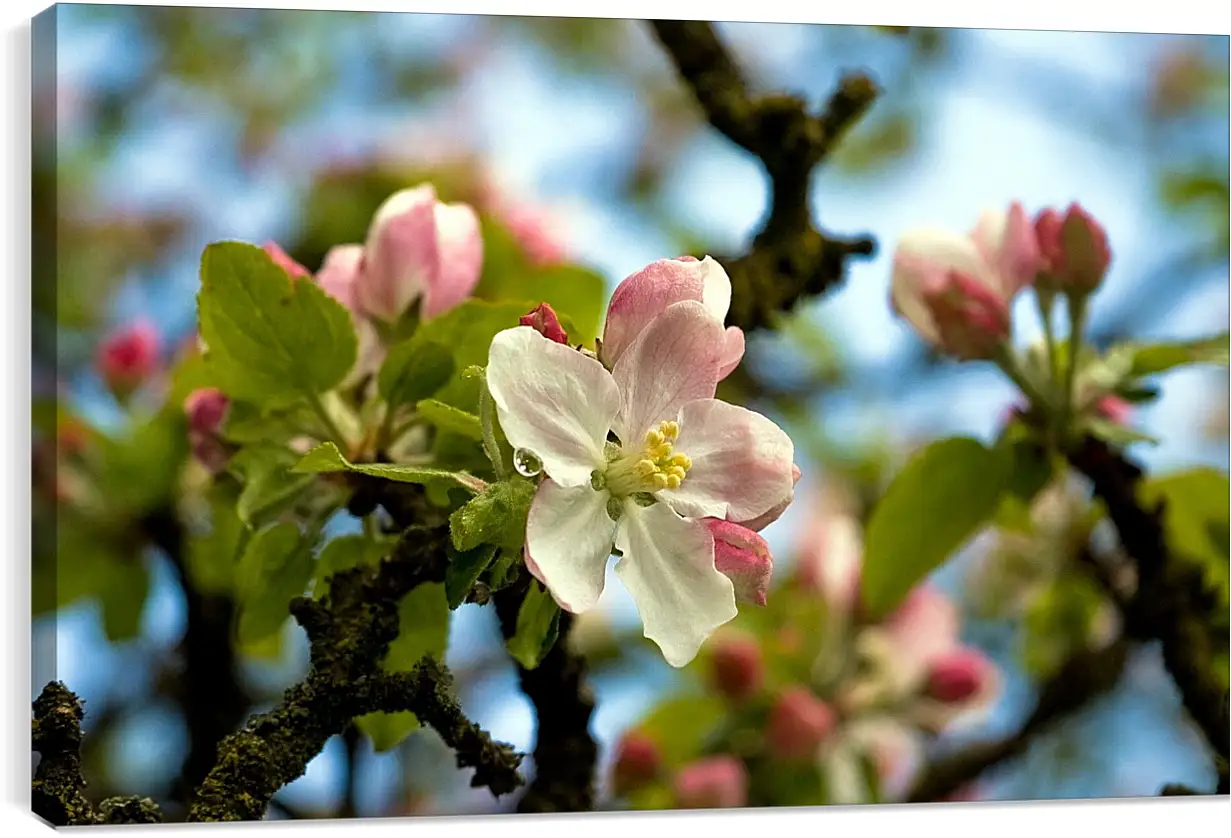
789	258
58	794
1170	603
1084	677
350	630
565	754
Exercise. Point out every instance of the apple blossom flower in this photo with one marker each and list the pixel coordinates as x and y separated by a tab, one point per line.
737	668
831	559
718	782
633	458
542	318
418	247
644	295
798	723
955	290
129	357
891	747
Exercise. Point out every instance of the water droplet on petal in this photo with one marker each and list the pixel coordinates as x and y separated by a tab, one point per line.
526	462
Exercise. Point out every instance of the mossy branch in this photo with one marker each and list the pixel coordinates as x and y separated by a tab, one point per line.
790	258
350	630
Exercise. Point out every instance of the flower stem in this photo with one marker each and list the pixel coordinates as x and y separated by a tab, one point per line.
1077	322
1046	303
1007	361
487	421
330	426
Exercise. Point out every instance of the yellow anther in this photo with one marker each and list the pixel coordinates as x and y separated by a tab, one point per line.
673	481
682	461
659	452
675	471
654	438
670	429
646	467
660	480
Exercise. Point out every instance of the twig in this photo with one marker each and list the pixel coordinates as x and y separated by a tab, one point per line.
1083	678
1170	603
789	258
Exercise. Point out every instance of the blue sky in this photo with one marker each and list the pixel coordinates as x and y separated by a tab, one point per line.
564	142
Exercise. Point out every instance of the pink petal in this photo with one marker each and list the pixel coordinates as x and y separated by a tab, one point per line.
673	361
460	251
644	295
339	272
401	258
762	521
283	260
924	627
742	463
733	351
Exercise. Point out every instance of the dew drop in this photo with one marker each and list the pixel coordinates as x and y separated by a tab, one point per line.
526	462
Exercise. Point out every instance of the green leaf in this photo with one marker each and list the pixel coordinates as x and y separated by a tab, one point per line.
538	626
464	570
140	469
414	370
246	424
497	516
423	629
680	726
326	458
503	571
272	339
210	557
1151	359
269	485
934	505
344	553
1196	517
1120	436
451	419
274	569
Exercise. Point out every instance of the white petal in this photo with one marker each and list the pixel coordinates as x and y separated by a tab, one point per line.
673	361
922	258
668	568
569	536
716	289
742	463
552	400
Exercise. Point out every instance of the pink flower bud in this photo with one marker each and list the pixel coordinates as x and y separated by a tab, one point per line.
418	247
339	274
958	676
1008	242
1114	409
1047	226
129	357
743	557
955	291
206	409
831	559
719	782
534	232
644	295
637	762
283	260
542	318
798	723
1086	252
972	321
737	669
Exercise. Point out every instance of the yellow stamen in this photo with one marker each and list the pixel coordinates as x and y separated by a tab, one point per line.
660	481
673	481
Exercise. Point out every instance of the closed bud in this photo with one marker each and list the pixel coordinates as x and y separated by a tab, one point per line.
1086	252
719	782
206	409
798	723
542	318
128	358
744	558
957	677
284	261
736	666
637	762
